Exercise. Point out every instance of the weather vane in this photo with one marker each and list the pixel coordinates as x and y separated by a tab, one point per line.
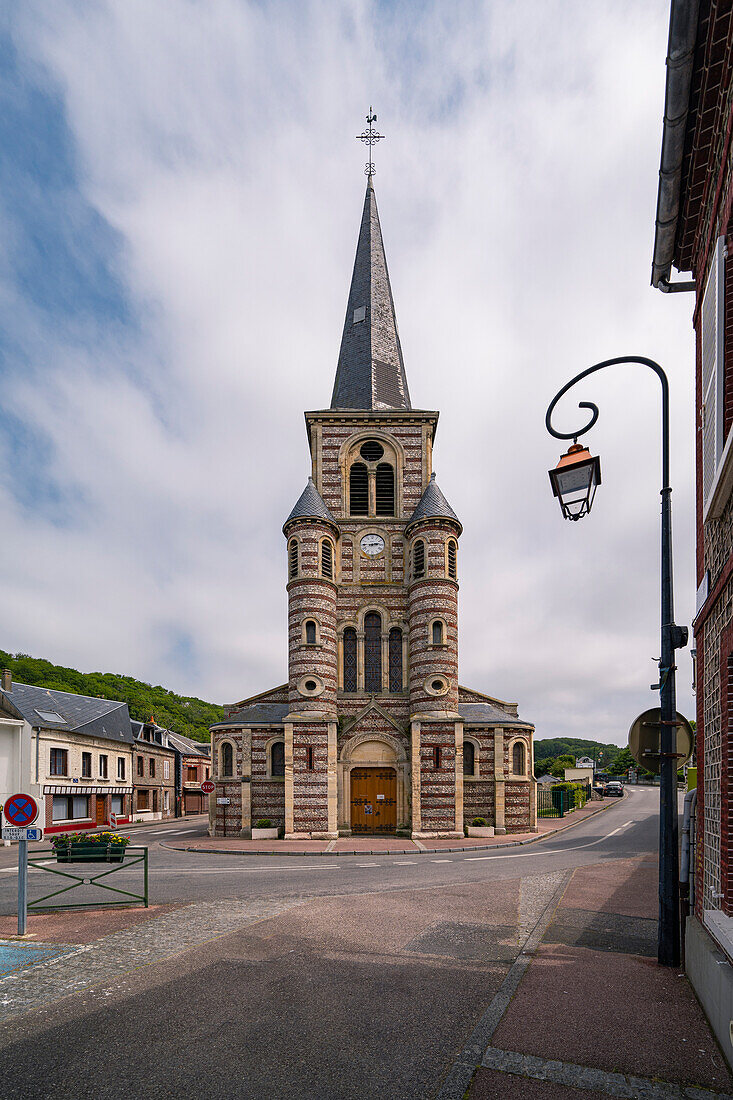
370	137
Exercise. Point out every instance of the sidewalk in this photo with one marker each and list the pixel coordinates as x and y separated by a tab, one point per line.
387	845
588	1013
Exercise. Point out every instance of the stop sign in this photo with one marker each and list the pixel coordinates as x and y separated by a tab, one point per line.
208	787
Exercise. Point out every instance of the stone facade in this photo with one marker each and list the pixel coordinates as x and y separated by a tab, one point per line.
369	734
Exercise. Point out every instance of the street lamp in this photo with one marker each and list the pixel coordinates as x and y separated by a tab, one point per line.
574	481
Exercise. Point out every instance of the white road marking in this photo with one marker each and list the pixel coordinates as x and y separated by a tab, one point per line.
627	823
441	860
404	862
367	865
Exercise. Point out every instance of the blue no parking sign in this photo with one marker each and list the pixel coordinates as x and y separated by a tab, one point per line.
21	810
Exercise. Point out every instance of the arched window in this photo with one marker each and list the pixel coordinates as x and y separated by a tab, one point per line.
385	489
418	559
469	758
293	559
349	659
227	760
359	490
373	651
327	559
310	632
438	633
518	758
277	758
395	659
452	559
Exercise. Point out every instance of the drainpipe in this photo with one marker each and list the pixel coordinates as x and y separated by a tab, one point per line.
685	862
37	730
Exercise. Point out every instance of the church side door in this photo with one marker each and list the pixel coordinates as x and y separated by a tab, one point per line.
373	800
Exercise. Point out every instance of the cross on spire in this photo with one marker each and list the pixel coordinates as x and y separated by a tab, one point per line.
370	137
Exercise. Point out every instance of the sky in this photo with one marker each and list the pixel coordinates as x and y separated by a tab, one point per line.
180	197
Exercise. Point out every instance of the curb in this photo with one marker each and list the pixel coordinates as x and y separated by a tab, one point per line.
391	851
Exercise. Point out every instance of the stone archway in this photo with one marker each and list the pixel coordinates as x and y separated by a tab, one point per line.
372	750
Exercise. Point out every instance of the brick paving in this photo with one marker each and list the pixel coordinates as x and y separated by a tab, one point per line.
384	845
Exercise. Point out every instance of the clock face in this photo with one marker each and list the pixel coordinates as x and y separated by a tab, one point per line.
372	545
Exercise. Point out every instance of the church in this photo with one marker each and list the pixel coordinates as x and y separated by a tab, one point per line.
372	732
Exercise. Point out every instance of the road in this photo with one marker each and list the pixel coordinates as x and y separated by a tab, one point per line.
300	976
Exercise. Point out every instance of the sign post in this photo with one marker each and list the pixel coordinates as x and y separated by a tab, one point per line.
21	810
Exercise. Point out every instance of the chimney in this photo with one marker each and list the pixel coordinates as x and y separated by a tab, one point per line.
7	680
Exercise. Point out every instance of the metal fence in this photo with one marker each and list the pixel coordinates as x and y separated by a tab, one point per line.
83	866
557	801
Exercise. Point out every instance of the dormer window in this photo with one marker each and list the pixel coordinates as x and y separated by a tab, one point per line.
359	314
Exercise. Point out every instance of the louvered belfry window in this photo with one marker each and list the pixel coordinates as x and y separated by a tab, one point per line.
373	652
385	489
418	559
359	490
712	333
349	659
327	559
293	559
452	559
395	659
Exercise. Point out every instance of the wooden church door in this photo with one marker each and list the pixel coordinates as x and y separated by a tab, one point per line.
373	800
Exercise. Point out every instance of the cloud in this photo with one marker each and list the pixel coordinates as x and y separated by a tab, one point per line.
181	210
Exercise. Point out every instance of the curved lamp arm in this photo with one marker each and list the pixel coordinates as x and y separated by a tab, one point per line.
594	408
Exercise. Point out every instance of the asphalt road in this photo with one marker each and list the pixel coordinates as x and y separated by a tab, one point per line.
364	977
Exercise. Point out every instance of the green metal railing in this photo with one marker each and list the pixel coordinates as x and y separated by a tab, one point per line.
71	857
556	802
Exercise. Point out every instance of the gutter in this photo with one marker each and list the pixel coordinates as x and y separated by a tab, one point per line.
683	19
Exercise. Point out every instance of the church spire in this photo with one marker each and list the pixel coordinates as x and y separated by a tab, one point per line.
370	372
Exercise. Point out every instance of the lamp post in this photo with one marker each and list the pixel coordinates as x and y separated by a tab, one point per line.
574	481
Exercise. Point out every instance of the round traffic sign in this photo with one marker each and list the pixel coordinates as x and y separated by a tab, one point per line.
208	787
645	736
21	809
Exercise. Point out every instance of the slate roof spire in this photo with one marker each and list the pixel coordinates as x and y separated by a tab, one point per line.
310	505
433	505
370	372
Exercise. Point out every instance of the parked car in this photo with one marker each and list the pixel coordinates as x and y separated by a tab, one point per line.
614	788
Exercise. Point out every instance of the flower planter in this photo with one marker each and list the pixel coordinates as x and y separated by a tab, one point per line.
91	853
484	830
264	834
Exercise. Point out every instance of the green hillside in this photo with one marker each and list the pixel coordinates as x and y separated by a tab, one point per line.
552	747
180	713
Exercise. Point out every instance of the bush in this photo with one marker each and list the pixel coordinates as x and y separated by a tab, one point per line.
479	823
263	823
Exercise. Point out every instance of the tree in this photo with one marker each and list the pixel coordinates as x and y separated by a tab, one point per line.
560	763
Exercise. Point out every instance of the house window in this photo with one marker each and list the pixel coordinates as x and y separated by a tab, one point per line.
192	775
117	804
151	768
327	559
86	765
140	766
120	767
452	559
712	336
227	759
103	768
438	633
437	758
373	651
309	758
310	632
359	490
350	659
166	801
166	769
418	559
70	807
277	759
384	494
469	758
292	559
59	758
155	801
142	800
395	659
518	758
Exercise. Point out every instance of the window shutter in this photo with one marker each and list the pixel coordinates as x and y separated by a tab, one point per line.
712	329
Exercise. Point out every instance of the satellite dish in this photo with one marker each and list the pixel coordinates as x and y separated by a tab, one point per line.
644	737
